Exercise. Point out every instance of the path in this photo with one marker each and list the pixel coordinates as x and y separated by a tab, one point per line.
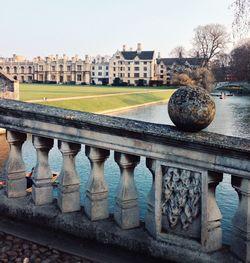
97	96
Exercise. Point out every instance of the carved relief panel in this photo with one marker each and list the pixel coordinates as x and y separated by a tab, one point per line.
180	200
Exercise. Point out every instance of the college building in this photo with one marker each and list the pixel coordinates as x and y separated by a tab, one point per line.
125	67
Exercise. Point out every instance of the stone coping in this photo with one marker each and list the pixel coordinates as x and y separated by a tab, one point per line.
166	134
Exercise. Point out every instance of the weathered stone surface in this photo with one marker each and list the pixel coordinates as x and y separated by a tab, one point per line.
191	109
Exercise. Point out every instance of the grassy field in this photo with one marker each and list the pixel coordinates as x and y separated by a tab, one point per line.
98	104
38	91
109	103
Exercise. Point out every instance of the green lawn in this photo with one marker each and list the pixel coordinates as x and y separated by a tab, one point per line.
38	91
109	103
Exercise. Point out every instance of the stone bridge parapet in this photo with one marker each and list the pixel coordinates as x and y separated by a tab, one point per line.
182	221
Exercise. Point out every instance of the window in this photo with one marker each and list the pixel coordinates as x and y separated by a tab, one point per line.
161	71
8	70
107	67
68	68
40	68
107	73
114	63
113	75
22	69
100	68
117	57
114	69
161	76
145	75
79	77
136	75
145	63
128	75
40	78
53	77
79	68
121	68
93	73
145	68
53	68
15	69
128	68
30	69
137	62
99	73
162	66
68	78
129	63
93	68
137	68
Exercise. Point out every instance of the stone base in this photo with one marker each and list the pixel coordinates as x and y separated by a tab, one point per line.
240	247
42	195
96	209
127	218
175	249
69	202
214	240
16	188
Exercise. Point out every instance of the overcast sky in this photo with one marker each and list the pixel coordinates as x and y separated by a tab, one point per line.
43	27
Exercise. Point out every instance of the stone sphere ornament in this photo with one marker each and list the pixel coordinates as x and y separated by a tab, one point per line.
191	109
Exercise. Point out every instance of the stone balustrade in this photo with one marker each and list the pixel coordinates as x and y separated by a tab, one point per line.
182	221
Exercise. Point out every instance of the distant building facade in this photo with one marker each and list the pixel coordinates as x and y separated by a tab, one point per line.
9	87
166	68
100	70
51	69
132	66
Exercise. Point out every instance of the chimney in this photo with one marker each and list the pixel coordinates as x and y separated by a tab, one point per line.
124	48
139	48
86	58
159	55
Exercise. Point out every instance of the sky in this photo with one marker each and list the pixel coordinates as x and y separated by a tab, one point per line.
43	27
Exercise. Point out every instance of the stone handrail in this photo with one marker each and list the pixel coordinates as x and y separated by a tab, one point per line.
186	168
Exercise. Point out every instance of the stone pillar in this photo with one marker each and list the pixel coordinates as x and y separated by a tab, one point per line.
14	168
96	201
240	242
42	187
214	237
69	182
150	213
126	212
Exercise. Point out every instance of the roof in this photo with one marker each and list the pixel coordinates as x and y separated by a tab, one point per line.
181	61
143	55
6	76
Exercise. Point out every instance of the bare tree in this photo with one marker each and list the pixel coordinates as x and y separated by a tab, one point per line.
241	22
240	61
209	41
178	52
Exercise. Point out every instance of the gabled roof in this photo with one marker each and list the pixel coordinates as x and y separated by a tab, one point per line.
143	55
6	76
180	61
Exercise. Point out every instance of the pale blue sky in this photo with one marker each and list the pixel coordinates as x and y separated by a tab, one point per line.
43	27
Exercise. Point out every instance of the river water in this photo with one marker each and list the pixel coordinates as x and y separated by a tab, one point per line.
232	118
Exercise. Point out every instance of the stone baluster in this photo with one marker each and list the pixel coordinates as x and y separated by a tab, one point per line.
42	187
96	201
150	213
69	182
240	242
214	237
14	168
126	212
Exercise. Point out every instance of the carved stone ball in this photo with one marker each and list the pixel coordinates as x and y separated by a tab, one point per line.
191	109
